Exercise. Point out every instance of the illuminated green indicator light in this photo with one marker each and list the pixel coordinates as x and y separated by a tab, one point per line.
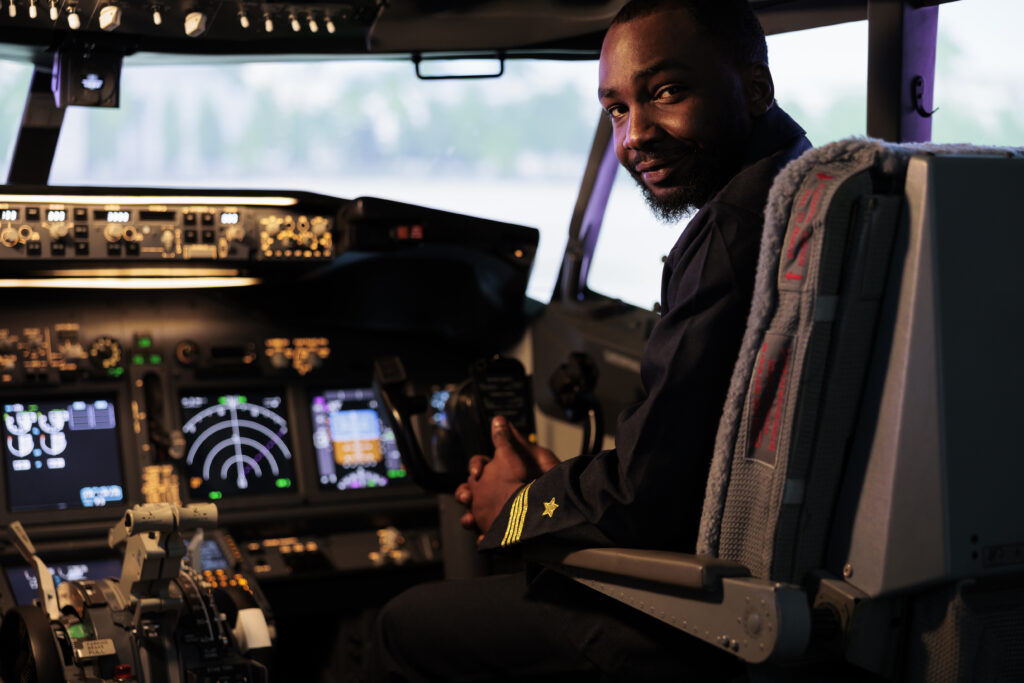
115	372
216	495
138	359
243	399
283	483
32	408
79	631
145	342
155	359
396	474
222	400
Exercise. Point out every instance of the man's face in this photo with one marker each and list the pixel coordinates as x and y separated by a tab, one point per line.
677	107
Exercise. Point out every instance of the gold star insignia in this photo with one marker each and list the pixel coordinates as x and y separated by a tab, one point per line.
549	508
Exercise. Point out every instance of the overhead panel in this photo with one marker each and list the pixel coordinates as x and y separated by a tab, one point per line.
529	28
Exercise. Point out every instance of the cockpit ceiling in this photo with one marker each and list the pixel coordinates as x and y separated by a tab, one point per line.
557	28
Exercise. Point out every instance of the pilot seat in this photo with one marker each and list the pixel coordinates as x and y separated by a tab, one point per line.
862	519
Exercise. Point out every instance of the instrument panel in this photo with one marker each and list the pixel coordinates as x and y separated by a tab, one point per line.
203	409
84	226
181	346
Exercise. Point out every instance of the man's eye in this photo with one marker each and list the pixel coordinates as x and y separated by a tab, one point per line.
668	92
616	111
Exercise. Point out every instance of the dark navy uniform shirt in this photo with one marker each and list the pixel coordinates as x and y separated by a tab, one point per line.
648	491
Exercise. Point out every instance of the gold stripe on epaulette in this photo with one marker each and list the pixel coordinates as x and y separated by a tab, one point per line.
516	517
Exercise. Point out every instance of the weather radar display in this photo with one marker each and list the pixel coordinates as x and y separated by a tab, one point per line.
236	445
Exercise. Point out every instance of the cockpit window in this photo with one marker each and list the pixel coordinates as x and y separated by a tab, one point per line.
14	82
979	76
828	97
512	149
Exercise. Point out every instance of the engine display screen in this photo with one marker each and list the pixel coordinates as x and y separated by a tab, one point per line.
354	448
25	585
236	445
61	454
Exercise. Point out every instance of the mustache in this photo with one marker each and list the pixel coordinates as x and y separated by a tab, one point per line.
662	157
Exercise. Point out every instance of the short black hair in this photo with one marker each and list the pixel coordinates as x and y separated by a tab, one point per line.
731	23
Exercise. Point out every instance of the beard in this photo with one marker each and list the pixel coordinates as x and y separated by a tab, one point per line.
706	172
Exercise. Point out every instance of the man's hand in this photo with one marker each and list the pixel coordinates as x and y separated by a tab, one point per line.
492	481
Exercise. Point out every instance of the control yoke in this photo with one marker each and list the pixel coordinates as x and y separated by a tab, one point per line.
389	385
495	386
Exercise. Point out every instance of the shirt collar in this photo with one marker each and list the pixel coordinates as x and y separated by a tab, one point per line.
772	131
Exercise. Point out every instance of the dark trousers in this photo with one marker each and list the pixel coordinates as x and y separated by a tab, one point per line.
545	628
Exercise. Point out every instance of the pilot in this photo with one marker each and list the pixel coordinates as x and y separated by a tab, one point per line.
690	97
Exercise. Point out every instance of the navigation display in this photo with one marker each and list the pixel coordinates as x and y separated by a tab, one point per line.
354	449
25	585
236	445
61	454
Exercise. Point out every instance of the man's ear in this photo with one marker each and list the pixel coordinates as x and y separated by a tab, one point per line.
758	88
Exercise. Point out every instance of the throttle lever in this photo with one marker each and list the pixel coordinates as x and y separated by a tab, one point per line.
44	579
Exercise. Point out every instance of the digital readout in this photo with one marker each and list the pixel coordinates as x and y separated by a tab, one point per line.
9	215
118	216
56	215
229	218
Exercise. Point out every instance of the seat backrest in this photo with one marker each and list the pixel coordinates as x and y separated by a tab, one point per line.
852	293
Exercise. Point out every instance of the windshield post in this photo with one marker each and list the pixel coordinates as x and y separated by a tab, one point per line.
587	216
37	138
901	70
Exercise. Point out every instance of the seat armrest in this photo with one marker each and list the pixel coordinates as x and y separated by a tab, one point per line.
694	572
711	599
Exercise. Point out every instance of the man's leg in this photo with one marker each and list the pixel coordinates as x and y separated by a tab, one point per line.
506	628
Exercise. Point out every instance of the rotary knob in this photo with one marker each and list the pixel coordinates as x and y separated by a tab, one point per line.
272	225
167	239
113	232
236	233
9	237
319	225
105	353
59	231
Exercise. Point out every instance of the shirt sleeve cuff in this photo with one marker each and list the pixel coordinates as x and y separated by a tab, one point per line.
508	527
